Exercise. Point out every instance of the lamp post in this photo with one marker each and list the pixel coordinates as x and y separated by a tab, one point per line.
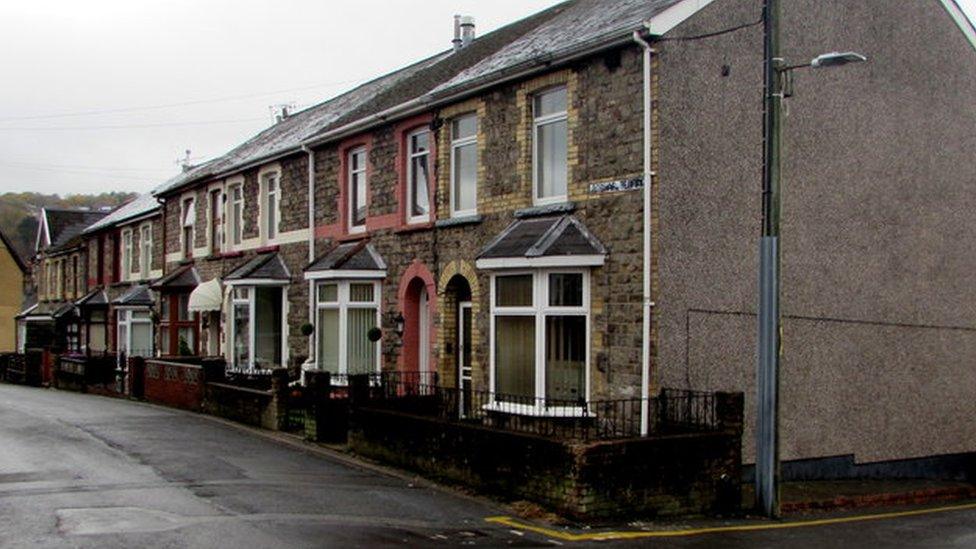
777	86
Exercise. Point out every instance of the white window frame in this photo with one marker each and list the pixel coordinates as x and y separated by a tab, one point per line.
540	309
457	143
251	302
125	318
350	194
217	190
128	255
233	223
424	218
342	304
537	123
266	177
186	248
145	249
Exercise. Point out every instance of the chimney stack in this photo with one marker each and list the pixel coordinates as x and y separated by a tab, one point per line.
282	113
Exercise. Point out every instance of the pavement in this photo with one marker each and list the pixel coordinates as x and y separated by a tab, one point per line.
84	471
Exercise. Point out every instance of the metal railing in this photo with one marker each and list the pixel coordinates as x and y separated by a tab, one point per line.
672	411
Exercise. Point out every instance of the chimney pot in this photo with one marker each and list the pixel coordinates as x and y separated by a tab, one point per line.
467	30
457	33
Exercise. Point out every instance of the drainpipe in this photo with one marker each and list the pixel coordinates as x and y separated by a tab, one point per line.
640	38
311	249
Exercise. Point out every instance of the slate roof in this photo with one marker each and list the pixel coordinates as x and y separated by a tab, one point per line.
289	134
138	206
184	277
94	298
351	256
265	266
409	83
53	309
137	296
543	237
576	26
64	225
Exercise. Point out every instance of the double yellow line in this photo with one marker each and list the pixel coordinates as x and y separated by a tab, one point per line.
639	534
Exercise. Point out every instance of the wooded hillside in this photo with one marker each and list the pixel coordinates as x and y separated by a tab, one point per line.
18	212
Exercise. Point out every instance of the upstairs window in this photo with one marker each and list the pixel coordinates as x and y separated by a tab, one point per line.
128	261
464	166
549	150
418	176
356	179
188	219
75	274
216	221
271	187
235	215
145	250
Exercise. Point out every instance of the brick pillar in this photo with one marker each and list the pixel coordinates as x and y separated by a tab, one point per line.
358	389
317	390
279	397
136	380
729	409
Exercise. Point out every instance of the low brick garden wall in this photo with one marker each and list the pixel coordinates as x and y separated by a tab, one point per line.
175	384
258	407
674	474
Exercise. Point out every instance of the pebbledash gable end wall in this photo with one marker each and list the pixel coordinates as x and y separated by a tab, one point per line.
879	223
605	144
294	217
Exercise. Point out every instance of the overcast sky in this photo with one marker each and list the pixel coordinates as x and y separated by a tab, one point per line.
102	95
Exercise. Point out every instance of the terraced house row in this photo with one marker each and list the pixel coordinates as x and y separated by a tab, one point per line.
509	216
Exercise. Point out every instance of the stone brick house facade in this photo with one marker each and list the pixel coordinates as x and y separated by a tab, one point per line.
59	269
124	251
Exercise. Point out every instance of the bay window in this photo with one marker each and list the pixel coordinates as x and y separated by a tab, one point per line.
540	333
134	333
418	176
464	166
178	327
345	313
549	151
356	189
256	326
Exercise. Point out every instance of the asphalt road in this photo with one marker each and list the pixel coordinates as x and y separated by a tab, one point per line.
84	471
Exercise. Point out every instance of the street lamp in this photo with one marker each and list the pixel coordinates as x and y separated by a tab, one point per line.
836	59
776	83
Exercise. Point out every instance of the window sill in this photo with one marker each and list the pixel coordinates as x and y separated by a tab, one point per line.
267	249
414	227
459	221
547	209
186	261
537	410
228	255
349	237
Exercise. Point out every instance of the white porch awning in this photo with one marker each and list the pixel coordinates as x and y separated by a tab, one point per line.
206	297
